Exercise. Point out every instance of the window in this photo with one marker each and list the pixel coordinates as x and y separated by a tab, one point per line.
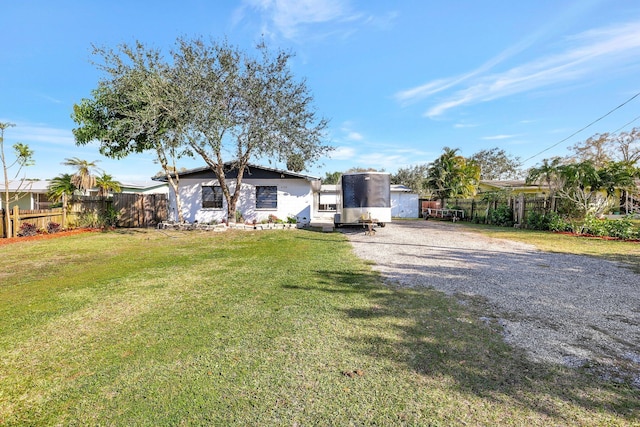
327	207
267	197
212	197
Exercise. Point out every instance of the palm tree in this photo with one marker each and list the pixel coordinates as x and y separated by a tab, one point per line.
452	175
548	172
61	185
84	178
107	185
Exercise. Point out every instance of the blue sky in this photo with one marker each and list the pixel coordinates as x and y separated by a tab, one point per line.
397	80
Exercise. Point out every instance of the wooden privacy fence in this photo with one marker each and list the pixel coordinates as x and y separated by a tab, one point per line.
132	210
521	205
41	218
140	210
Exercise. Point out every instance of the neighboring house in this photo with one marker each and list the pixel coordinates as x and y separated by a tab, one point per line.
404	203
265	192
144	187
27	195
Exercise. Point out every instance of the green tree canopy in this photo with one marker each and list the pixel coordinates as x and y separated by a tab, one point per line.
107	185
331	177
452	175
61	185
413	177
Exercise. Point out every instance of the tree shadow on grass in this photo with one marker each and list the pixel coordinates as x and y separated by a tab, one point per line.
436	336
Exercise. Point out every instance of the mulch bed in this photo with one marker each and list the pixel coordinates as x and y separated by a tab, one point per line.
47	236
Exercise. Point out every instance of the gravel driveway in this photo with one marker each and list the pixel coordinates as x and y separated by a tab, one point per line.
567	309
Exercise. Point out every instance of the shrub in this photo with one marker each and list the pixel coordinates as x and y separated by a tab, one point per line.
27	229
620	228
537	221
53	227
501	216
594	226
292	219
557	222
109	218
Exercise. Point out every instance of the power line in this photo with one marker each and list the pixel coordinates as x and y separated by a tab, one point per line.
625	125
585	127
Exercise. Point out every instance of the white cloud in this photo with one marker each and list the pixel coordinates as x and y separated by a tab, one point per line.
355	136
584	55
37	134
464	125
342	153
289	17
498	137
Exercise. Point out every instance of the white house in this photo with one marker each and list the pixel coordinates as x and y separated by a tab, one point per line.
265	192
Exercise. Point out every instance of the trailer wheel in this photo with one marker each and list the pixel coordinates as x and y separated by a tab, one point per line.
381	224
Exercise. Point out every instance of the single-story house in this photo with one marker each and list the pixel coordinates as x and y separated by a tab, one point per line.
27	195
404	202
265	193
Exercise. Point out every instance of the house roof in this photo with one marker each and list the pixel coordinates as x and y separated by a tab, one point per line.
142	185
206	169
515	184
28	186
399	188
42	185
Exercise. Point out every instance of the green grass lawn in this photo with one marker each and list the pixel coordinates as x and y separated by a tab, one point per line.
282	327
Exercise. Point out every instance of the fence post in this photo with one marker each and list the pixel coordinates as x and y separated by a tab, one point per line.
521	209
16	221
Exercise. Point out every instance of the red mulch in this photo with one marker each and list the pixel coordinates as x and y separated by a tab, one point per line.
47	236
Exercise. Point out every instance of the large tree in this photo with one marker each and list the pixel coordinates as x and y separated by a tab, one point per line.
452	175
243	108
23	156
496	164
595	150
211	99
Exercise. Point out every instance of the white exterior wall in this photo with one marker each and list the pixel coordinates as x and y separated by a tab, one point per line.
295	198
404	205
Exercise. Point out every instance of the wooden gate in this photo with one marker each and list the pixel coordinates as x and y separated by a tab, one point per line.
140	210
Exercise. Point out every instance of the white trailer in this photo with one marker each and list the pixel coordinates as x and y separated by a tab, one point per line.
363	198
